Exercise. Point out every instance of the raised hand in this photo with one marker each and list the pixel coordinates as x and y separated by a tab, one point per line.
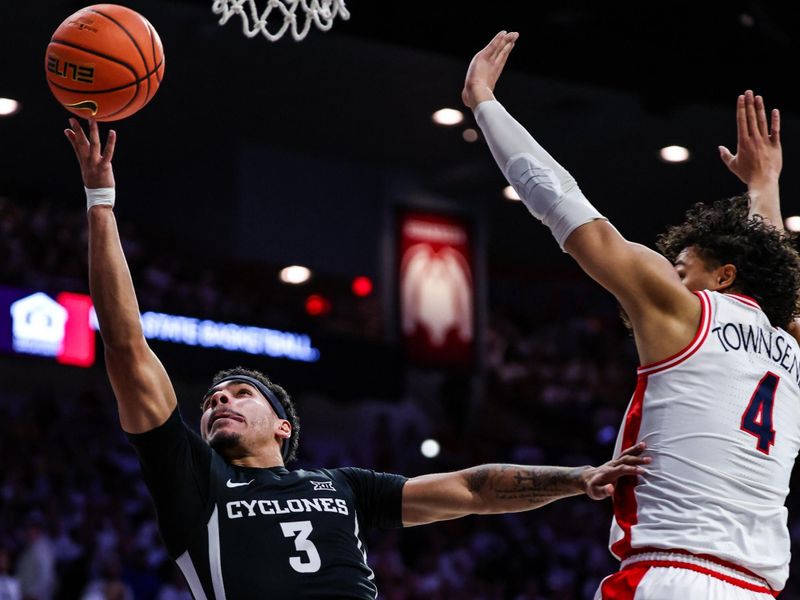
758	155
600	481
95	164
485	69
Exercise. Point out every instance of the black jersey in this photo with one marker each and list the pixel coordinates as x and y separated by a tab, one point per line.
239	532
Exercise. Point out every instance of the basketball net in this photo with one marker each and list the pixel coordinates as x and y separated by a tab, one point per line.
298	15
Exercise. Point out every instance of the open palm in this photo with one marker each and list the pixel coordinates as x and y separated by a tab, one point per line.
486	67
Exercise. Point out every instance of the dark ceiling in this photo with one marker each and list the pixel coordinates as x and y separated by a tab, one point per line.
601	85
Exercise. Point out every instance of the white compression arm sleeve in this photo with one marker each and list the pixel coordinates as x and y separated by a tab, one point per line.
546	188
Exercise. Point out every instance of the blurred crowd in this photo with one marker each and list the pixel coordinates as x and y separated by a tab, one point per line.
43	246
76	520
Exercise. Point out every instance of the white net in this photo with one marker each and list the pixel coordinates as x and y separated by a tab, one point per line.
295	16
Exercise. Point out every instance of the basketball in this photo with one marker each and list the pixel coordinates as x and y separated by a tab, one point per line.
104	62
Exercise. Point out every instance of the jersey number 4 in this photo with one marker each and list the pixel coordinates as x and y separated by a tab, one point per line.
757	418
300	530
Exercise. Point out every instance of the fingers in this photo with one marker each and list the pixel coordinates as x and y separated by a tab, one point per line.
111	142
76	139
620	467
725	155
493	47
601	482
776	127
499	44
761	117
630	461
633	469
601	492
80	136
508	45
750	110
94	134
73	142
623	469
634	450
741	122
756	117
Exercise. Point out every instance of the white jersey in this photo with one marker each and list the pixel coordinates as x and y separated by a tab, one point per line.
721	420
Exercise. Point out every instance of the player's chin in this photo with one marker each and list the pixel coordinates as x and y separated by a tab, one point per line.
223	440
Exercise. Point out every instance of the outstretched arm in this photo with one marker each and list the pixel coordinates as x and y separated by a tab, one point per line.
758	162
664	313
759	159
497	489
144	393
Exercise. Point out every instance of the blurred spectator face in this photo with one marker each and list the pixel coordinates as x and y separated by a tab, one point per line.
236	416
5	562
33	532
115	590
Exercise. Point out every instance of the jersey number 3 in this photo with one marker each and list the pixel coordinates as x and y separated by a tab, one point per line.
757	418
300	530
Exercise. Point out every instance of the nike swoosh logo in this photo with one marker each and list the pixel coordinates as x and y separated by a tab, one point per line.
230	484
89	105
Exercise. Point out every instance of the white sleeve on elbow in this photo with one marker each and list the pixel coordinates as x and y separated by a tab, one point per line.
546	188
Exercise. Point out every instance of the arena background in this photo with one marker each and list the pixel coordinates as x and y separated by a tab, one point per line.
256	155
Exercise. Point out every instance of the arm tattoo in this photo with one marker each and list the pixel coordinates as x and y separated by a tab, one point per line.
537	485
478	478
510	484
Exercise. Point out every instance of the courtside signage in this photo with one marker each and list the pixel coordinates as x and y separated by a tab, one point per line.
64	328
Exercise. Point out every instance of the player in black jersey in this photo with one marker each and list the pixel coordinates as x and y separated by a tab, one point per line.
236	521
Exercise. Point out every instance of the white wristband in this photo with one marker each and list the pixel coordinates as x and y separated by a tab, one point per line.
99	197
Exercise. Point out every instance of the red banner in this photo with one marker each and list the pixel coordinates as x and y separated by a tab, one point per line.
78	345
437	290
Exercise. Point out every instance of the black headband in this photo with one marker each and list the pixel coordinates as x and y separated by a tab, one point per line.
268	394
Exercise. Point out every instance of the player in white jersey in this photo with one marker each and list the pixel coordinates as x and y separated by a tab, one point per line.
718	400
722	421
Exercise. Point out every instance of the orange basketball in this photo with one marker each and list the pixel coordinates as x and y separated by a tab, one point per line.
104	62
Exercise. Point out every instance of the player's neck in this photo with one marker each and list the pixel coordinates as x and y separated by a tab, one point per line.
262	460
733	290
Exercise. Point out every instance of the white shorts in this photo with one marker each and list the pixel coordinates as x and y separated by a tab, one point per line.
680	576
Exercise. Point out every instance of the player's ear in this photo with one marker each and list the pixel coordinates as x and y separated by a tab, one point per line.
726	276
284	429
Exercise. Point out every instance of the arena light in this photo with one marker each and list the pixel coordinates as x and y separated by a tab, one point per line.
448	116
469	135
295	274
317	305
430	448
362	286
674	154
8	106
510	193
792	223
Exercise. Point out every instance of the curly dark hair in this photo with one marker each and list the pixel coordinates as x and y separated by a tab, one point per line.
767	263
280	393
